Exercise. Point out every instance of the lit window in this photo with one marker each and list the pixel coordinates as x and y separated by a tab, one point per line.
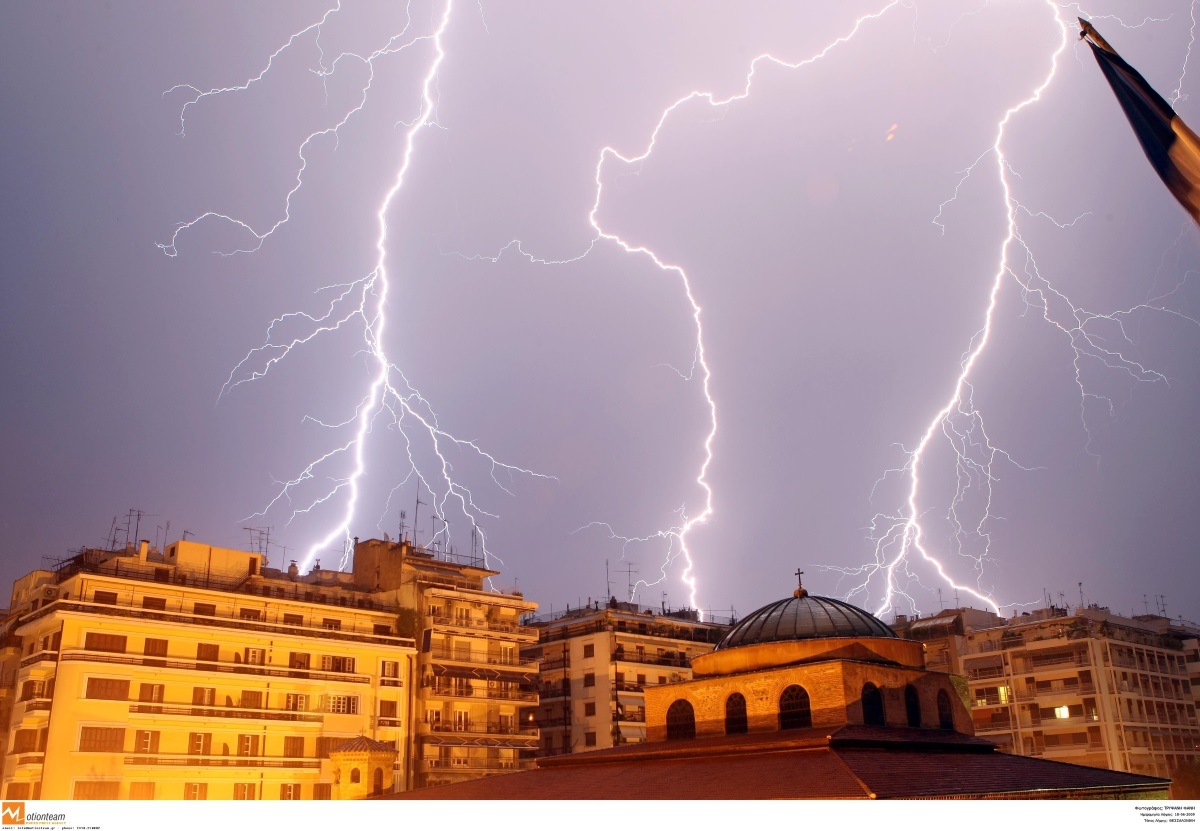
1062	712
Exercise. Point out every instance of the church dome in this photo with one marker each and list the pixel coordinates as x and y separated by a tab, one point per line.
804	617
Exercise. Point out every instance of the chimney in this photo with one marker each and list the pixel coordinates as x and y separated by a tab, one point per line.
143	550
293	571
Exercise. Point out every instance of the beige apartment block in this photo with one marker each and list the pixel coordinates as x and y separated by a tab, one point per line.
197	673
1092	688
596	663
474	692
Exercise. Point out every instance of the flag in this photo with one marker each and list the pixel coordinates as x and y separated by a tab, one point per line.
1172	148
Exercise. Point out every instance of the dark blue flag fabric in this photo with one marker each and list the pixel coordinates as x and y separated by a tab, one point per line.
1170	145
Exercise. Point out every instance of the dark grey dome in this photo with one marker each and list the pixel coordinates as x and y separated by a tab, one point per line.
804	617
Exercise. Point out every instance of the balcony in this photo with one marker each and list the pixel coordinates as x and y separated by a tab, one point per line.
482	692
1031	663
191	760
553	691
484	624
471	728
669	659
46	655
994	726
213	666
31	758
473	657
985	672
34	704
225	713
555	663
475	766
1053	723
633	716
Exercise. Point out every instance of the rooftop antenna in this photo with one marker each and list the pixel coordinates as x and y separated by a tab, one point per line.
184	535
1162	604
1080	594
629	572
417	514
664	603
607	580
957	604
1145	604
941	605
474	543
403	516
112	537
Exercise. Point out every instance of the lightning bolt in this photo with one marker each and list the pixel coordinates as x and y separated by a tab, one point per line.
389	395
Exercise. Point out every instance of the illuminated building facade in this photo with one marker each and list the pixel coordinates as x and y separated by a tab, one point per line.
1091	688
596	664
474	693
196	673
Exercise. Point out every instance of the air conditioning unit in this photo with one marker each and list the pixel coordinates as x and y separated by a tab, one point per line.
477	605
50	592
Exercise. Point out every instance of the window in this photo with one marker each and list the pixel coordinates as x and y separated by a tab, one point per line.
104	642
382	629
293	747
243	790
347	704
589	708
681	720
255	656
200	744
108	598
735	715
17	790
355	776
97	790
337	663
299	660
250	614
204	695
323	790
331	623
156	603
101	739
247	744
377	782
872	704
390	669
290	619
296	702
589	739
641	679
151	694
945	712
25	741
111	689
252	699
589	679
208	652
589	650
206	609
387	709
195	790
155	648
145	741
33	689
141	790
912	706
795	711
289	790
328	743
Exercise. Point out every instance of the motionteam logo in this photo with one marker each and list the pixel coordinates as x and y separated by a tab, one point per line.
12	813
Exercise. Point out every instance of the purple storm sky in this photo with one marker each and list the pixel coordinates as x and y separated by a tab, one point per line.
840	228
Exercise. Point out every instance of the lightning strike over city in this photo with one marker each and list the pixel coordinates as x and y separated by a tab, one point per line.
650	301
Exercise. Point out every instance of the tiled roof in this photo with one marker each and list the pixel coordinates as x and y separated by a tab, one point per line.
361	744
845	763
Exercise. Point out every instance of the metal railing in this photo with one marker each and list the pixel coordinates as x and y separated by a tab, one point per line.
188	760
471	728
634	657
483	623
473	765
482	692
473	657
225	712
214	666
38	657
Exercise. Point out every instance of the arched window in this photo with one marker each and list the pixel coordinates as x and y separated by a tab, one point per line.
735	715
945	713
872	704
794	708
377	784
355	776
681	720
912	706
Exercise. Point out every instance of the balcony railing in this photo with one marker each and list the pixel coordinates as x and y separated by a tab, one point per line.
555	663
214	666
1035	662
31	758
472	728
37	704
225	712
551	691
476	765
634	657
1067	690
484	623
50	655
991	726
479	691
635	716
1051	723
473	657
985	672
189	760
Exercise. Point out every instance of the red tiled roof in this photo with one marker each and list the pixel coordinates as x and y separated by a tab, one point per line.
843	763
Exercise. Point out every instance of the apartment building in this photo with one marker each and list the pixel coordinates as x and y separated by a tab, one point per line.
1092	688
596	663
474	692
196	673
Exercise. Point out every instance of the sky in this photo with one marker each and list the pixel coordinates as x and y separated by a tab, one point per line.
653	298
